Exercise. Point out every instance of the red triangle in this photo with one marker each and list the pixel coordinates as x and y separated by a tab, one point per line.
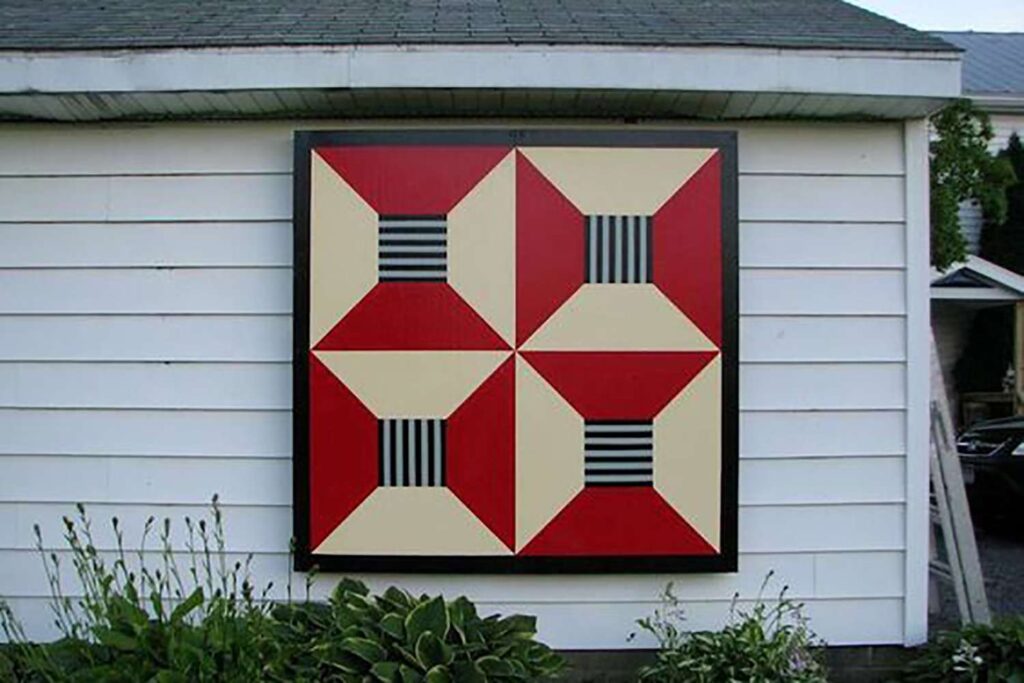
342	452
617	521
619	385
688	255
549	249
412	179
482	452
421	316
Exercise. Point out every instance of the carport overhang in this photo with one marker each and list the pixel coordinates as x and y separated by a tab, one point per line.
707	82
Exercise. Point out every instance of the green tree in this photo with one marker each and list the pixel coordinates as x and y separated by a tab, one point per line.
961	169
1003	243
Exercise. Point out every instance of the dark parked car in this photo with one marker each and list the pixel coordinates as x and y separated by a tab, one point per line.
992	457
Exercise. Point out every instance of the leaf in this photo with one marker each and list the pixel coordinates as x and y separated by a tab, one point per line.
347	586
431	652
468	672
410	675
520	626
191	603
386	672
117	640
431	615
438	674
365	649
393	625
493	666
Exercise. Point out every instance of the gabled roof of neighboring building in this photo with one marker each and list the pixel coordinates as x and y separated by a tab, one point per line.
993	62
127	24
977	279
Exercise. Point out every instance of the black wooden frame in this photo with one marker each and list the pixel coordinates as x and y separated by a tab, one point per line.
726	560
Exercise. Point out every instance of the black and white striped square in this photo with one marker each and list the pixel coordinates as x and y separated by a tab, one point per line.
618	453
618	249
411	452
413	248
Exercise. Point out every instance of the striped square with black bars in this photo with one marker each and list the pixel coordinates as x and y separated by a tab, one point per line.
618	249
618	453
411	451
413	248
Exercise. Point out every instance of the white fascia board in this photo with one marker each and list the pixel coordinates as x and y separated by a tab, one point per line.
973	294
999	104
996	273
704	69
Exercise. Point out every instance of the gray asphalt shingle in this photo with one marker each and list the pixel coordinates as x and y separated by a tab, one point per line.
113	24
993	62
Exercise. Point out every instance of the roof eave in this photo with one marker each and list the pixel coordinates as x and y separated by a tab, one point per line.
927	78
999	103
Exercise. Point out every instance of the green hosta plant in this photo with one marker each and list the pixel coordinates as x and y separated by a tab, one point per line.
771	643
398	638
974	654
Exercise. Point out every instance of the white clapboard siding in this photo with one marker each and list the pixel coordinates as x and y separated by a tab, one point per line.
145	341
268	197
147	198
268	338
146	432
147	338
267	528
267	386
265	481
783	434
268	291
782	339
820	386
821	292
821	198
169	290
269	243
237	147
197	433
210	386
854	149
253	243
822	245
867	573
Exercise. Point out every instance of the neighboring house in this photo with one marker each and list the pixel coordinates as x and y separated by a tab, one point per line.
993	78
146	266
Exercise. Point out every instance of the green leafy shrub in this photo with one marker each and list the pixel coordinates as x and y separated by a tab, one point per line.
136	622
771	643
397	638
974	654
202	621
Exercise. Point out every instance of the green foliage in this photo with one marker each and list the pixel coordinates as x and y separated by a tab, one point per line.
398	638
771	643
135	622
974	654
1003	242
202	622
962	169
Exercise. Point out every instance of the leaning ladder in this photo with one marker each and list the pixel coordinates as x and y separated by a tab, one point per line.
950	511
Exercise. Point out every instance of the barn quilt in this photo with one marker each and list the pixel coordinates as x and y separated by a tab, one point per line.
515	351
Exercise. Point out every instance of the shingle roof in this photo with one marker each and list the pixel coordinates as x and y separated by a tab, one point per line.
105	24
993	62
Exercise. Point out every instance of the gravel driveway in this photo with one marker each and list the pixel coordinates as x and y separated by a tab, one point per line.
1002	561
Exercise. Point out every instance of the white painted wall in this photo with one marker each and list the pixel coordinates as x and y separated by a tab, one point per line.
145	291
